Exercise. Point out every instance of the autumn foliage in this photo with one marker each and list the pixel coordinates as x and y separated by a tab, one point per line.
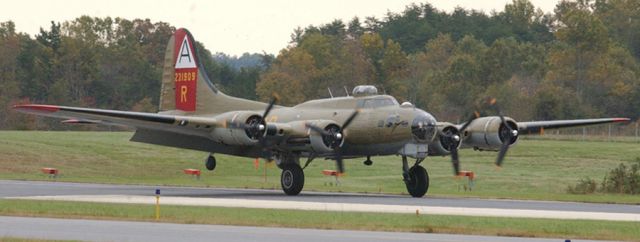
580	61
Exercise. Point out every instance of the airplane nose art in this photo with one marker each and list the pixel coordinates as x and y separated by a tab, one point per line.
186	71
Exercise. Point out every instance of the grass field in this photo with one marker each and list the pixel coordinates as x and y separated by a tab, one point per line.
534	169
564	229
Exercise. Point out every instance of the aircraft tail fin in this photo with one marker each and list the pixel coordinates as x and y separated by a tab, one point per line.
186	87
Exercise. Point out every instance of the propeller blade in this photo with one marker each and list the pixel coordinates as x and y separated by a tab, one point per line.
502	153
348	121
318	129
500	115
339	163
473	117
241	125
273	101
266	152
505	144
455	161
338	150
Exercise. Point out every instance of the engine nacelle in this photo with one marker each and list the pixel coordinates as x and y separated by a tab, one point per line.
304	139
294	129
233	134
443	144
488	133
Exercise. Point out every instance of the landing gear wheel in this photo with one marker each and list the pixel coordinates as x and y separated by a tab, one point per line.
292	179
210	163
418	181
368	161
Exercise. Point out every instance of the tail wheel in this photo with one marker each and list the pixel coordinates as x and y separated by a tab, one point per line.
418	182
292	179
210	163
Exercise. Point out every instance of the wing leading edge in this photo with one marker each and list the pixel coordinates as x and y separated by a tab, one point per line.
536	127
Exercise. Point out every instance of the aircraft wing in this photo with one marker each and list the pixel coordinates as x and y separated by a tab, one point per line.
536	127
149	121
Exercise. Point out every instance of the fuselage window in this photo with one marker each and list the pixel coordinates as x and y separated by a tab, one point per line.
378	102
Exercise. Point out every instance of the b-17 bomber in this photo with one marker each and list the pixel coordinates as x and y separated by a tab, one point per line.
194	114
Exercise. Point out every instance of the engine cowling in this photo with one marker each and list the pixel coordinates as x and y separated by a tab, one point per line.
304	139
235	133
488	133
443	144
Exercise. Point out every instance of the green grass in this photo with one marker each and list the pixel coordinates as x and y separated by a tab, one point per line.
533	169
573	229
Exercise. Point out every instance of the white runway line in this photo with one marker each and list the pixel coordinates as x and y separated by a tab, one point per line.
344	207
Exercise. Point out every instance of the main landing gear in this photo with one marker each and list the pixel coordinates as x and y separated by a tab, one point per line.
416	178
292	177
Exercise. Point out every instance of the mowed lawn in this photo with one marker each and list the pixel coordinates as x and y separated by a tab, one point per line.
533	169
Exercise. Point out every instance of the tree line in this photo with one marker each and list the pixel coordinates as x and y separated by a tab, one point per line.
95	62
579	61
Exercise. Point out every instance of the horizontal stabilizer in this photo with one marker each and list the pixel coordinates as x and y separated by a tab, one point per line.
172	123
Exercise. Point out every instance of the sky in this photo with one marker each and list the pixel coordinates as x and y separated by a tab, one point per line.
230	26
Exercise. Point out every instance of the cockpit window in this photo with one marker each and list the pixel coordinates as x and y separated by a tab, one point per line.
377	102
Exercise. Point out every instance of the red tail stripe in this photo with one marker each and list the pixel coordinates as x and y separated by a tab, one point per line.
621	120
38	107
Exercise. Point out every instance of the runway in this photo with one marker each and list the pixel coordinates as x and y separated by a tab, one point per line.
72	229
9	188
95	230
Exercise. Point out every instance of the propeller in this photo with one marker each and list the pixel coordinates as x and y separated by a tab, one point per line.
262	139
506	133
272	102
453	140
333	136
257	125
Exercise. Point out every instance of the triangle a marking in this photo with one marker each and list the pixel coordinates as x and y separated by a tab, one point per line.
185	58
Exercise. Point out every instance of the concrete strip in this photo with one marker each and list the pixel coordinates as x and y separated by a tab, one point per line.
101	230
344	207
34	188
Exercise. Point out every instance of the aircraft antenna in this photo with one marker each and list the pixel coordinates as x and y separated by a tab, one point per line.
330	94
345	90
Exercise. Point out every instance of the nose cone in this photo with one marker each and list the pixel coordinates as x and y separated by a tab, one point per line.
423	127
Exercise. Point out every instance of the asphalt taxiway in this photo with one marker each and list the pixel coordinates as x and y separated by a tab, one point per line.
95	230
11	188
133	231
